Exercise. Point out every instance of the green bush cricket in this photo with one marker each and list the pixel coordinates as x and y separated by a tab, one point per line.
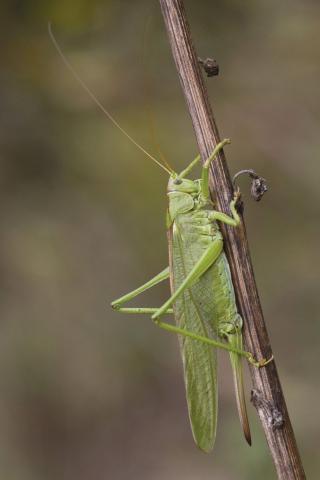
202	294
202	300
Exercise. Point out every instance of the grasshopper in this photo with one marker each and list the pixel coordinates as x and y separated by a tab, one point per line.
202	298
202	295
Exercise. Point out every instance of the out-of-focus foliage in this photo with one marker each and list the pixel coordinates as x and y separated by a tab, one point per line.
84	392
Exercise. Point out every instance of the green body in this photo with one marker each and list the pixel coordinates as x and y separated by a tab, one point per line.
202	299
211	308
199	361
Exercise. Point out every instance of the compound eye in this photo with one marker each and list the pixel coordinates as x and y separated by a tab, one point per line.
177	181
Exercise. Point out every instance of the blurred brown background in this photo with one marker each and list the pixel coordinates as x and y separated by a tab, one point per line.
88	393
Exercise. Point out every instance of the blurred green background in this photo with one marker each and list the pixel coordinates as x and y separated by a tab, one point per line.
88	393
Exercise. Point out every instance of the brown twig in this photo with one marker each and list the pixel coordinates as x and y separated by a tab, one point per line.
267	395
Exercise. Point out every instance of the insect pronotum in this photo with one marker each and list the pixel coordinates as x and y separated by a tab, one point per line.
202	297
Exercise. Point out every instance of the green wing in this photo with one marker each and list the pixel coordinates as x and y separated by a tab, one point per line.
193	310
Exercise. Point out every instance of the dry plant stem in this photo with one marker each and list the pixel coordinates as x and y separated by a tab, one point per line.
267	395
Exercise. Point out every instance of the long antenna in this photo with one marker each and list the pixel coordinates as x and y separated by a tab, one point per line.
98	103
148	107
